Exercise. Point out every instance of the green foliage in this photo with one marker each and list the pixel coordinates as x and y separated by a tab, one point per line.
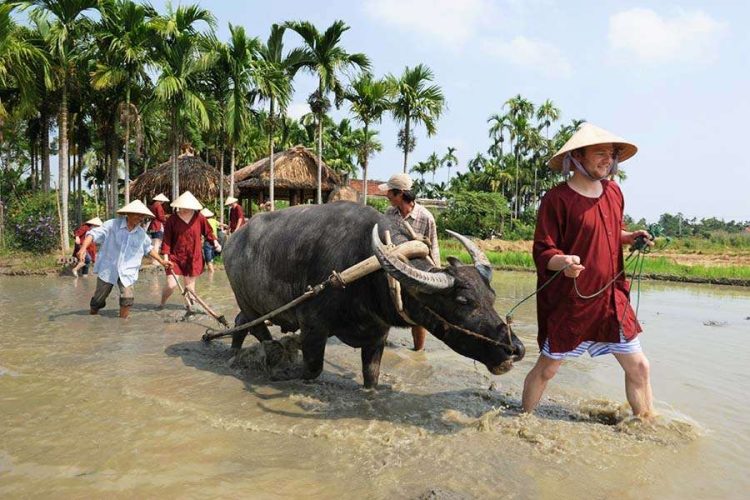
379	204
32	221
474	214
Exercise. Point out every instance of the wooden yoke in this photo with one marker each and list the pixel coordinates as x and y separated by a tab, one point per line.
408	250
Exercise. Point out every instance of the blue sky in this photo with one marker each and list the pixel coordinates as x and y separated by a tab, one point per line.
666	75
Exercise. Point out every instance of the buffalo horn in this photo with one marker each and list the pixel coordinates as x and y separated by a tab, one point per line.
406	274
480	260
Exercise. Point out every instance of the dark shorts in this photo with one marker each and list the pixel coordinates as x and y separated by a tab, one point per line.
103	289
156	235
209	253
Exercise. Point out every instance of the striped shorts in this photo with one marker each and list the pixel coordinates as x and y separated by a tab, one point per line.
596	348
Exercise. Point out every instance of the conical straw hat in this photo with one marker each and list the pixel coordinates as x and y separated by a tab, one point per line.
96	221
230	200
589	135
187	200
160	197
135	207
207	213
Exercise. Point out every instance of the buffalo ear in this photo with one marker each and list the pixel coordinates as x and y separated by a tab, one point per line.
455	262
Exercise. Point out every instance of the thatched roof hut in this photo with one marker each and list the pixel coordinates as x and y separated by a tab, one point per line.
196	176
295	177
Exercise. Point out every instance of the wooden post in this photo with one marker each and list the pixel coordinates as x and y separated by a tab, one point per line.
2	223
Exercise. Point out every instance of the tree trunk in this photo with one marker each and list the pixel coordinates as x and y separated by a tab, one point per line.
270	147
32	157
365	161
320	159
231	172
175	153
80	185
127	146
406	140
113	176
44	139
221	178
63	170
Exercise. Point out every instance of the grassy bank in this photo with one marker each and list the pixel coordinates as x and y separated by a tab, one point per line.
655	266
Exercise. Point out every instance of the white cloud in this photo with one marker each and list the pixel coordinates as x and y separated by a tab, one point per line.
450	21
535	55
297	110
688	36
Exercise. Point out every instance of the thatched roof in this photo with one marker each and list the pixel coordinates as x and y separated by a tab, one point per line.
295	168
343	193
196	176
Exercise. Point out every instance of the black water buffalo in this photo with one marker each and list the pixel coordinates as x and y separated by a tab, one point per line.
275	257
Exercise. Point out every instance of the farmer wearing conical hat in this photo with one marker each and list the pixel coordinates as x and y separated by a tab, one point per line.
183	245
123	243
80	234
156	229
580	230
236	214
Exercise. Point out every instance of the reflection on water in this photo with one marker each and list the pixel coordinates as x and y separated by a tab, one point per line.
93	406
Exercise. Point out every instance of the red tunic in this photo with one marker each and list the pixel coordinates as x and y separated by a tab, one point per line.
235	215
81	233
572	224
160	217
182	242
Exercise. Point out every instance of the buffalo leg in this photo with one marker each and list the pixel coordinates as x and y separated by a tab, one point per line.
371	356
313	352
260	332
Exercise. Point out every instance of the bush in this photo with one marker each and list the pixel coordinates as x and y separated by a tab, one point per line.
379	204
37	233
477	214
33	222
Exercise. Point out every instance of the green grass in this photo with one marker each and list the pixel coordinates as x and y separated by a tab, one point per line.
19	260
653	266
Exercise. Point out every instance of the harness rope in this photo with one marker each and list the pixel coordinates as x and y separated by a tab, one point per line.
639	248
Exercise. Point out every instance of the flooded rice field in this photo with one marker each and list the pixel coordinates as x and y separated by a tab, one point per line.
97	406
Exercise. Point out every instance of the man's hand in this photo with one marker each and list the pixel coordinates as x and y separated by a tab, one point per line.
574	267
217	246
166	264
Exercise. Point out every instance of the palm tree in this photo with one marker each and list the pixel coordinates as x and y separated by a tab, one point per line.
449	160
127	39
369	99
273	74
68	14
182	53
520	110
416	103
433	161
237	57
325	57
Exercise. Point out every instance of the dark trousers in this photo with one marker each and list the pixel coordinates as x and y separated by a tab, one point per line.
103	289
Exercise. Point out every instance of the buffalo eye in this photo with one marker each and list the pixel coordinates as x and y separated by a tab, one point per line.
462	300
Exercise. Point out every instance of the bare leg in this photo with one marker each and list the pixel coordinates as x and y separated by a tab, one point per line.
168	289
536	381
637	383
418	334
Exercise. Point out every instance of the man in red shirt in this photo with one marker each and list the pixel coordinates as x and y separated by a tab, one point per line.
236	214
156	229
580	230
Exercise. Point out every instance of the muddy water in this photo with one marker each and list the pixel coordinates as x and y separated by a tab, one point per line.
94	406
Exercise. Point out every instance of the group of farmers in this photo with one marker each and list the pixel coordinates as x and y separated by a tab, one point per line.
183	243
579	233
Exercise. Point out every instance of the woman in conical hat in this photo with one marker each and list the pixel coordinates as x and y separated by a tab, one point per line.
236	214
580	232
156	229
183	244
80	234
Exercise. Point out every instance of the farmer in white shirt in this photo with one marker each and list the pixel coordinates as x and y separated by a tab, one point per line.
123	242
